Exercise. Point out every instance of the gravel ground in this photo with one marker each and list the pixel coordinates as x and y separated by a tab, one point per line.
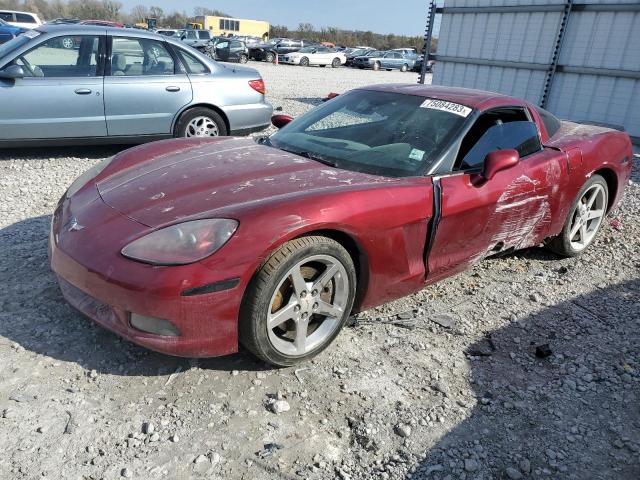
444	384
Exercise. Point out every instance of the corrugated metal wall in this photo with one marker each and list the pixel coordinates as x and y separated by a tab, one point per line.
512	53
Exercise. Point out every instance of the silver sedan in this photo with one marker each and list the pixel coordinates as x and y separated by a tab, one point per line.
118	85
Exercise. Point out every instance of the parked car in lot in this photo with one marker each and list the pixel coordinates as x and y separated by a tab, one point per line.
196	38
321	56
352	53
26	20
9	32
368	60
149	87
227	49
395	60
268	52
190	247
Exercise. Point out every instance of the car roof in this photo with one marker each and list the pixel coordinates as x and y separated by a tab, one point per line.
478	99
76	28
17	11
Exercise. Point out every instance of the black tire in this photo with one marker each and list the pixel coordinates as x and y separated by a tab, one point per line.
322	66
270	57
253	331
561	244
336	63
304	62
404	68
243	59
193	113
376	66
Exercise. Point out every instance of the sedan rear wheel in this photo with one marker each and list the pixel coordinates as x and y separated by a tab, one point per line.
585	219
270	58
200	122
298	301
244	58
336	63
376	66
68	43
404	68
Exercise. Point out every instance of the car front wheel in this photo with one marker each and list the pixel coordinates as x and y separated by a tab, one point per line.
304	62
298	301
376	66
585	218
404	68
270	58
200	122
336	63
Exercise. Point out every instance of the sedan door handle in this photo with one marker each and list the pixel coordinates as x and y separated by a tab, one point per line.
173	89
83	91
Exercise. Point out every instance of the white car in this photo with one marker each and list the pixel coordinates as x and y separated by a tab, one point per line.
21	19
319	55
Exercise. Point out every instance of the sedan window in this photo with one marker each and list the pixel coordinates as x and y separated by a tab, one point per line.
375	132
50	60
191	63
6	16
24	18
140	56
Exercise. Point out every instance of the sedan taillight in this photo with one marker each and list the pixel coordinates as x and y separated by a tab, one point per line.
258	86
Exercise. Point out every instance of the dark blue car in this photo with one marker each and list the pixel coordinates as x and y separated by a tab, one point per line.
7	32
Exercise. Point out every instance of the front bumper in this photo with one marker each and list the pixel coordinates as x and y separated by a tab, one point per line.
105	286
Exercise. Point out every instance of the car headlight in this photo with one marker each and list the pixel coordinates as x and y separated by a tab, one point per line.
82	180
183	243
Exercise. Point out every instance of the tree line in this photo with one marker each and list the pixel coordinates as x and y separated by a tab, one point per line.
351	37
113	10
105	10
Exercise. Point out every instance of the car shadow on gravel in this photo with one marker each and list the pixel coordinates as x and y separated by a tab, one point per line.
46	153
34	316
569	411
313	101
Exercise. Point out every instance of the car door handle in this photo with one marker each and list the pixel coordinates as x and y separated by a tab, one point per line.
83	91
173	89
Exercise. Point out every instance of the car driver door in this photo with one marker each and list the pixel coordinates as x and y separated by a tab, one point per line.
480	216
58	93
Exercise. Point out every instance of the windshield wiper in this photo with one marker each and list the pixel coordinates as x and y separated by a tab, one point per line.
311	156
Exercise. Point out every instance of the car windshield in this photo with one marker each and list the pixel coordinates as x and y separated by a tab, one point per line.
381	133
12	45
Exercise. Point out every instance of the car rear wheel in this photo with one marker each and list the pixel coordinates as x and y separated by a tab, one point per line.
68	43
270	58
298	301
404	68
201	122
243	59
585	219
336	63
304	62
376	66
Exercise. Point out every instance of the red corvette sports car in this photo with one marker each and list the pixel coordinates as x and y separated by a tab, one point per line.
191	246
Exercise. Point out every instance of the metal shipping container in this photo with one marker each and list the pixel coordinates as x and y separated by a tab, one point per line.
580	59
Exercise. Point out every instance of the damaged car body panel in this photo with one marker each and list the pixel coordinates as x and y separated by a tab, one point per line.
448	177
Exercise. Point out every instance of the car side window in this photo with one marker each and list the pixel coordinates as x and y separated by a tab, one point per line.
486	121
7	17
191	34
191	63
24	18
521	136
139	57
49	60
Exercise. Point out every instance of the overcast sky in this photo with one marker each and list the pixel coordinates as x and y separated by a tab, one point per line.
405	17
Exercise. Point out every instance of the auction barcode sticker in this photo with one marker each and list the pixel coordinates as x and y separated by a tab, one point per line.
444	106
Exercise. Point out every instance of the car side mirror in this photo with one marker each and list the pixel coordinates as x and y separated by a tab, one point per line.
498	161
12	72
280	121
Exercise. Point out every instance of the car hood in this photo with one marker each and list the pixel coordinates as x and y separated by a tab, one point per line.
187	180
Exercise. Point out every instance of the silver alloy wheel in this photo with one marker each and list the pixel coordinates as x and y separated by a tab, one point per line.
202	127
68	43
308	305
587	217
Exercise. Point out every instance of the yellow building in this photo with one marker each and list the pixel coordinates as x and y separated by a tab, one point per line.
235	26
